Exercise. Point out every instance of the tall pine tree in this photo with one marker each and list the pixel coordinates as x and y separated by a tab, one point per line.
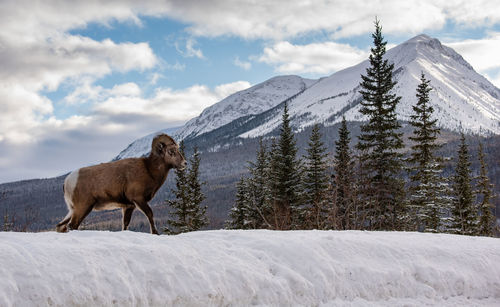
187	214
179	214
343	180
198	212
285	179
380	141
429	199
316	181
464	213
484	192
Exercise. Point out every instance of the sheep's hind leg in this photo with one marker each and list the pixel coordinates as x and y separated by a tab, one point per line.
78	217
146	209
127	215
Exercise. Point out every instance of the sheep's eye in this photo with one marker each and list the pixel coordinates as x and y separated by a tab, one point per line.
171	152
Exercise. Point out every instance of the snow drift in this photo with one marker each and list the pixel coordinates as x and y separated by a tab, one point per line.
237	268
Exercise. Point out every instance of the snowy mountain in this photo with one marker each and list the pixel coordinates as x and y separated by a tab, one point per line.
248	268
462	98
253	100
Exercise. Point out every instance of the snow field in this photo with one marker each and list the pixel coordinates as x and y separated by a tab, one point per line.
241	268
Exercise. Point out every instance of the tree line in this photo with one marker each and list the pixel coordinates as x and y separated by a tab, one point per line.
373	186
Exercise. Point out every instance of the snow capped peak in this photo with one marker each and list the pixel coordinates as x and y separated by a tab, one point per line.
463	100
420	38
424	46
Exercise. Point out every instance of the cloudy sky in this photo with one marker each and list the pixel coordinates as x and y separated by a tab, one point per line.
80	80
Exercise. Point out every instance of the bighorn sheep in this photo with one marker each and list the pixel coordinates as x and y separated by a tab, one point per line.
126	184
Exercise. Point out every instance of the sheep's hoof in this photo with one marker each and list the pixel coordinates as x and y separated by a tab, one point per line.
62	228
155	232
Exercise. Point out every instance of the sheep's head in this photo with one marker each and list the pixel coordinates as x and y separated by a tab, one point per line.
165	147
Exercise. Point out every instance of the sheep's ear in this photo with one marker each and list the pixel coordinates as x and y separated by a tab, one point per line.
160	148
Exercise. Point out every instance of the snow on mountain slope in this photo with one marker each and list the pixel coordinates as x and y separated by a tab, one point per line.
462	98
243	268
142	146
253	100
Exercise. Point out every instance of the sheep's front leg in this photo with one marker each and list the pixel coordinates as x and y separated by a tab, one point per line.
146	209
127	215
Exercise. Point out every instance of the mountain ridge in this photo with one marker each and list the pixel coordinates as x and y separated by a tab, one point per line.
463	99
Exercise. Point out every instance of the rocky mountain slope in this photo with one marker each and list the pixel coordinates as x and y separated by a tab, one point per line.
462	98
251	101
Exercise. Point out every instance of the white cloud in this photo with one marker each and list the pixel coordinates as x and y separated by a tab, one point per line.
129	89
41	56
277	19
166	104
471	13
283	19
189	50
321	58
154	77
224	90
242	64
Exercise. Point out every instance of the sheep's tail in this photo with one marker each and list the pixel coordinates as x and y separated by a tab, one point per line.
68	189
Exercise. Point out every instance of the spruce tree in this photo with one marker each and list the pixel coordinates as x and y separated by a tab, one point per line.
259	210
187	214
179	215
464	213
316	181
196	196
429	200
343	179
484	192
380	141
238	216
285	176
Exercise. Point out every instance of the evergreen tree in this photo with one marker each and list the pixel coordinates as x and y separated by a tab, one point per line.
429	200
343	179
198	212
464	214
259	210
187	215
238	216
285	179
484	191
379	141
180	215
316	180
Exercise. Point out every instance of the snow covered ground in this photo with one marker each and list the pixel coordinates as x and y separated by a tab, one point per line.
240	268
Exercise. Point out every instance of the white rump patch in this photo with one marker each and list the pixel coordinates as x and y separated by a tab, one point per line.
69	187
